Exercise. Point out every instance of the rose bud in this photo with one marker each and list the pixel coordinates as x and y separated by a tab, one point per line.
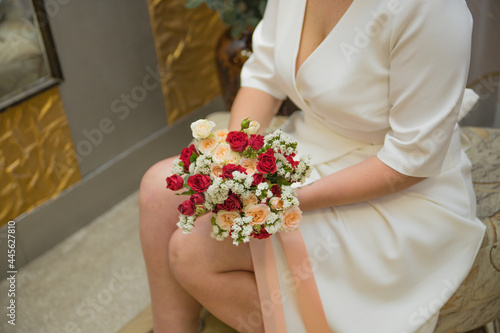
175	182
197	198
187	208
186	156
257	179
256	141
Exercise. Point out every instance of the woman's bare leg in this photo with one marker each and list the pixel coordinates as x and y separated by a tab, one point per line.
219	275
174	310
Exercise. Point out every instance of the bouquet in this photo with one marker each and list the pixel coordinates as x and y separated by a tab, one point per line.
243	178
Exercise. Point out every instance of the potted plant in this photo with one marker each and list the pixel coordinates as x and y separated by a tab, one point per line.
235	45
239	15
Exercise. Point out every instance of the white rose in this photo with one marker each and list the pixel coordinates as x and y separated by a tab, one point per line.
253	127
202	128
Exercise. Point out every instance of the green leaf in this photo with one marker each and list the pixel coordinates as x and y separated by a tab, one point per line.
193	157
245	123
193	3
190	192
213	220
262	7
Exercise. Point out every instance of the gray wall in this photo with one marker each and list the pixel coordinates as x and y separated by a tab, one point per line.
110	92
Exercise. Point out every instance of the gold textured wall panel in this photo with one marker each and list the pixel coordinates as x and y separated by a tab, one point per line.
185	41
37	157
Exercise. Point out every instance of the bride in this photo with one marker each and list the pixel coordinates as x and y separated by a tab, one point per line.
380	85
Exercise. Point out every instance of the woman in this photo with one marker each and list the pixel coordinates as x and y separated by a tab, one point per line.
389	223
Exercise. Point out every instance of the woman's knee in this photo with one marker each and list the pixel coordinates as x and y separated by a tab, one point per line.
184	257
153	182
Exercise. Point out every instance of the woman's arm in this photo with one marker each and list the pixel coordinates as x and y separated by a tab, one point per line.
363	181
254	104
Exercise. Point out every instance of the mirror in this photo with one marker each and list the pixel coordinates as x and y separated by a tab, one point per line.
28	61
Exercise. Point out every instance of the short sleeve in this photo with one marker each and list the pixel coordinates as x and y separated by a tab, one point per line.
259	71
429	63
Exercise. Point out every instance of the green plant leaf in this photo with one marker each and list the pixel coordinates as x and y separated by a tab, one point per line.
190	192
193	3
262	7
193	157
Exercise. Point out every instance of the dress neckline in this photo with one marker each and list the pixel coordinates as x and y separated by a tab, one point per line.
301	26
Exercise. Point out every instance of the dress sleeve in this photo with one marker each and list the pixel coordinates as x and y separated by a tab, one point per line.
259	70
429	63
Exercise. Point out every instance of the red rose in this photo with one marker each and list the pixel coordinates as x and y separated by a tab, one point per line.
262	234
267	162
232	203
175	182
186	156
258	178
187	208
227	170
218	207
199	183
237	140
292	162
256	141
275	189
197	198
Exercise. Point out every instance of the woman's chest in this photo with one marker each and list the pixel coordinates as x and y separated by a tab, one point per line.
348	71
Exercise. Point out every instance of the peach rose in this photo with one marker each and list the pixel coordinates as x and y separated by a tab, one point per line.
259	213
202	128
216	170
225	219
250	200
249	164
233	158
221	135
208	144
291	219
276	203
221	152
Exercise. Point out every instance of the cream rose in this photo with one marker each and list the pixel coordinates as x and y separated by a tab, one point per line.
291	219
202	128
253	127
259	213
216	170
208	144
225	219
250	199
233	158
221	152
249	164
221	135
276	203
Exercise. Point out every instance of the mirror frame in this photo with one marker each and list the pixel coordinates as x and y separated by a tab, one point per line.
55	76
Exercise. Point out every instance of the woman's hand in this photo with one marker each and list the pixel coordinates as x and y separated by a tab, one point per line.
367	180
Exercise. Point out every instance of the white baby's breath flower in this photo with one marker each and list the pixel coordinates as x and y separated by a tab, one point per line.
177	168
202	128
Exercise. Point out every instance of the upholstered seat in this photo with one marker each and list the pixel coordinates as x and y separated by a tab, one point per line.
477	300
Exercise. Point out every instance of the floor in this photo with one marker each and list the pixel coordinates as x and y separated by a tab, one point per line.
94	281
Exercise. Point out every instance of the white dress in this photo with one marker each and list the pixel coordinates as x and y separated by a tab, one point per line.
387	81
